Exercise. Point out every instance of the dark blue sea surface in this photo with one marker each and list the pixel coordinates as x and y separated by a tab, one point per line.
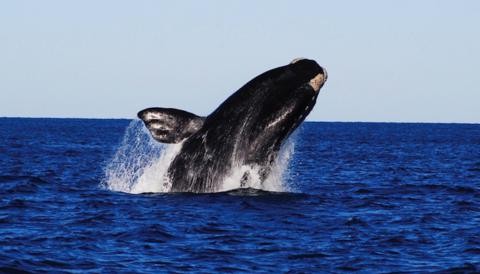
370	197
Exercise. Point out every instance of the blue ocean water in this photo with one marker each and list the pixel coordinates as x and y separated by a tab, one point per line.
368	197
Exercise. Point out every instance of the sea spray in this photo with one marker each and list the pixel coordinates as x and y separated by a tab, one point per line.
277	180
140	165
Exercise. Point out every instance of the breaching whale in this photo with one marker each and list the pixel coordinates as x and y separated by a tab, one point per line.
247	129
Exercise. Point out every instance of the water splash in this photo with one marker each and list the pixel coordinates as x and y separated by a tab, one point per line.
277	180
140	165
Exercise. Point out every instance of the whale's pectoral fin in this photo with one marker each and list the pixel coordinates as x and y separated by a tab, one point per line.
169	125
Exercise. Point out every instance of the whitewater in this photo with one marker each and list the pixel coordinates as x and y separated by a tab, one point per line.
140	165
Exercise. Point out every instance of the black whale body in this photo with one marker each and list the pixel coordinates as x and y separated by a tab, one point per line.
247	129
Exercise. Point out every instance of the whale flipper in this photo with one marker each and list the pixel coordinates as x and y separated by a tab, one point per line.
169	125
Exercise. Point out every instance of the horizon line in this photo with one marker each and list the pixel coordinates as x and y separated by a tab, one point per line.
311	121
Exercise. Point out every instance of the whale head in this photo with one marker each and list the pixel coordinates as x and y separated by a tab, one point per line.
267	109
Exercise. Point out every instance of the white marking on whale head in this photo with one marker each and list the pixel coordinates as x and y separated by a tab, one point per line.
317	82
296	60
151	116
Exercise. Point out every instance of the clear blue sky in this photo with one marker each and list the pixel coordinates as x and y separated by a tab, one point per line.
387	60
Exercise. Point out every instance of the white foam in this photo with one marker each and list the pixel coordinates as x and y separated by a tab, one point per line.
276	180
141	164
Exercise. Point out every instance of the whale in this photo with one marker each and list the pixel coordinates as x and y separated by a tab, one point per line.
247	129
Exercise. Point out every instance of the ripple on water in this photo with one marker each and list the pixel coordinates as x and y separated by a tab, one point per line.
371	198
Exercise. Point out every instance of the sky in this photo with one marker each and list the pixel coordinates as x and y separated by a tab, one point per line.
387	61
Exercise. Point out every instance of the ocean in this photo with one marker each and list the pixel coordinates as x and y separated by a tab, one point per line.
82	195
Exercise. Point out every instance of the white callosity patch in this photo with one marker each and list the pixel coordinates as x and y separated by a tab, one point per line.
296	60
140	165
317	81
